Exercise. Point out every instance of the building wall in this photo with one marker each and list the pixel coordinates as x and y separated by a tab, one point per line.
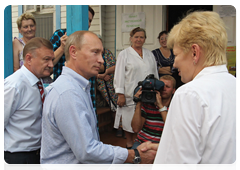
63	16
96	22
109	28
103	23
40	17
230	22
15	32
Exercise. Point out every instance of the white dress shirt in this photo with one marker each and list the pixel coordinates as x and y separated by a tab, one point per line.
201	121
22	112
130	69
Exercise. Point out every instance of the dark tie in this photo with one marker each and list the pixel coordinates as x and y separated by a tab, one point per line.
40	86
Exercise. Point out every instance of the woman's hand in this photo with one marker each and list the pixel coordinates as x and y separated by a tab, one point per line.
101	76
165	70
107	77
63	40
121	100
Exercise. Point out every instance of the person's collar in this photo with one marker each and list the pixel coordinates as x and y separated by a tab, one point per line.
212	70
83	83
29	75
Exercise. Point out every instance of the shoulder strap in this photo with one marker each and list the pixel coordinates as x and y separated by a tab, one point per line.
20	40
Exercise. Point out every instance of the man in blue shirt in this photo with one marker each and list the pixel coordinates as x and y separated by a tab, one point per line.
58	40
69	123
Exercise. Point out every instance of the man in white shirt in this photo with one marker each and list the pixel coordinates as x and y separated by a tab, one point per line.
23	104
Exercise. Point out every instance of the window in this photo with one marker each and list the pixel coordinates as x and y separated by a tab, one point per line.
30	8
44	25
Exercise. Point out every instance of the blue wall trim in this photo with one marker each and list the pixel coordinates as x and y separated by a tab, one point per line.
58	17
8	49
77	18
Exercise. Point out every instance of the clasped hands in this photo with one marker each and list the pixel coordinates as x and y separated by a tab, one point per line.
147	151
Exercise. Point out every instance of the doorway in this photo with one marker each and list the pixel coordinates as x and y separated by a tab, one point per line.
176	12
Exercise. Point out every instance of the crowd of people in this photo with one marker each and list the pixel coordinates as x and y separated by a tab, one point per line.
186	122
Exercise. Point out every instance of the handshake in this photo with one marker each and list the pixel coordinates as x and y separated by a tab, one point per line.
147	151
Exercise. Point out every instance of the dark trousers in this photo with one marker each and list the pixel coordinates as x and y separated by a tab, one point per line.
32	157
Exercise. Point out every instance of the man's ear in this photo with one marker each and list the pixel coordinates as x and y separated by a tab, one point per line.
73	51
28	59
195	53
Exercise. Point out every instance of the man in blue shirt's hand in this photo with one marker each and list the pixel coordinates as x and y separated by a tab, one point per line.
69	123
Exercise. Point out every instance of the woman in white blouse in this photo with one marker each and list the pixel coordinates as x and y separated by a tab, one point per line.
201	122
134	64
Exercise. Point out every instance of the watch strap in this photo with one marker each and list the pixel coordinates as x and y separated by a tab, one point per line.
137	158
136	153
164	108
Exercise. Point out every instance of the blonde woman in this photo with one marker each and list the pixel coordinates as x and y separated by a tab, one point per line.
27	27
201	123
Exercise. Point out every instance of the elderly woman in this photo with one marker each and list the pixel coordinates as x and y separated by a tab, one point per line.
27	27
133	65
201	122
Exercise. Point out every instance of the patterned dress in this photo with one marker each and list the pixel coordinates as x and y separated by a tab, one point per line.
55	40
20	55
106	87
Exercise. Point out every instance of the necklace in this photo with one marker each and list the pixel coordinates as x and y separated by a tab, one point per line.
139	51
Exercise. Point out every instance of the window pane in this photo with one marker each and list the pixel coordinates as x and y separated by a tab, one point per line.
29	7
47	6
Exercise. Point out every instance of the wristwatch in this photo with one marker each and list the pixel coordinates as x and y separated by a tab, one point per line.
136	99
137	158
164	108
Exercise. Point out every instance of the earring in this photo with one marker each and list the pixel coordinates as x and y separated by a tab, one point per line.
194	63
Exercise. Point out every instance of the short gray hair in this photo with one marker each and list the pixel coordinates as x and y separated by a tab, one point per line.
36	43
75	39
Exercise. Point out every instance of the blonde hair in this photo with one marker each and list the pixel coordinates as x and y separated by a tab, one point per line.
168	77
206	29
25	16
